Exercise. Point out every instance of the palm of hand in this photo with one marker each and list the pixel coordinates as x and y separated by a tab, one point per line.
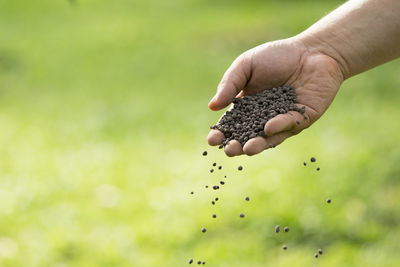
315	77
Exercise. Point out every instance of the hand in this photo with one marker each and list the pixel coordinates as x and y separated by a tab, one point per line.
315	77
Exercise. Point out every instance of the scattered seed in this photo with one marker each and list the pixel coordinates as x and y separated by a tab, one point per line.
205	153
192	193
284	247
204	262
214	164
214	215
316	255
224	176
198	262
328	201
241	215
206	186
190	261
305	164
221	146
277	229
219	167
213	202
240	168
318	169
212	170
203	230
247	199
313	159
222	182
320	251
286	229
216	199
215	187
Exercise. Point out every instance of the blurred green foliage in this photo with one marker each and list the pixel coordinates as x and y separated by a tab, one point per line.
103	118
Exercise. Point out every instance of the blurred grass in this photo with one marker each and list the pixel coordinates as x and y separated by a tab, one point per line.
103	120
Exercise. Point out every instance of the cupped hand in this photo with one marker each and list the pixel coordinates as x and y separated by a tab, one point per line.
315	77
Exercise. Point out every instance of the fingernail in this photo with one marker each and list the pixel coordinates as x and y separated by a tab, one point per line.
212	99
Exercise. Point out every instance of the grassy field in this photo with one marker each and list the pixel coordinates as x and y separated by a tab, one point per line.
103	119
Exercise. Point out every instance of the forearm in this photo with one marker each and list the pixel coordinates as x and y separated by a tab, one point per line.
359	35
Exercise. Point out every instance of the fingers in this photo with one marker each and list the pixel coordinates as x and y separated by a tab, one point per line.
215	137
233	148
259	144
292	121
233	81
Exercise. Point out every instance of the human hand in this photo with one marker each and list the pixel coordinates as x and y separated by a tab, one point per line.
315	77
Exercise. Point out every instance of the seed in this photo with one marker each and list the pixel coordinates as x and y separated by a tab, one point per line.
247	199
271	145
213	202
277	229
192	193
215	187
305	164
190	261
204	262
316	255
220	146
328	201
203	230
219	167
318	169
224	176
214	164
222	182
212	170
240	168
241	215
216	199
284	247
198	262
320	251
298	122
286	229
313	159
206	186
214	215
205	153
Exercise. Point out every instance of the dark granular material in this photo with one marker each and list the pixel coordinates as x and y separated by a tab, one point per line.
249	114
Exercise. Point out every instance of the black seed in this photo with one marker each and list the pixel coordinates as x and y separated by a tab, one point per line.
212	170
192	193
241	215
271	145
203	230
216	199
214	164
215	187
206	186
205	153
198	262
247	199
328	201
219	167
286	229
305	164
320	251
316	255
204	262
214	215
225	176
277	229
313	159
240	168
298	122
212	202
318	169
222	182
190	261
284	247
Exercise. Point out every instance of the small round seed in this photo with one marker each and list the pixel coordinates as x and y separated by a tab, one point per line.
305	164
240	168
313	159
328	201
212	170
205	153
198	262
214	215
316	255
190	261
192	193
214	164
241	215
206	186
247	199
286	229
203	262
213	202
320	251
222	182
318	169
215	187
284	247
277	229
219	167
203	230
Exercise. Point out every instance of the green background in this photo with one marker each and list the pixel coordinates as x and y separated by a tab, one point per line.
103	119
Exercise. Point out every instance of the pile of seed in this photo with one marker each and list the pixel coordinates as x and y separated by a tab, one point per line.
249	114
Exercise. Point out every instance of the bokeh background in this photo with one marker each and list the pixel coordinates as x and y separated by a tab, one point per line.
103	119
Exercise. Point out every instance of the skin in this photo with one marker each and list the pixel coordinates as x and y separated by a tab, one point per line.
357	36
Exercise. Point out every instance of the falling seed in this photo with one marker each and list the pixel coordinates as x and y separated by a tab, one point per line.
320	251
222	182
284	247
219	167
213	202
247	199
318	169
190	261
328	201
198	262
316	255
305	164
241	215
224	176
205	153
215	187
192	193
212	170
277	229
313	159
286	229
214	164
214	215
203	262
206	186
203	230
216	199
240	168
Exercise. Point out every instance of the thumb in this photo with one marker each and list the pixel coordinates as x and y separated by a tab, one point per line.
233	81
